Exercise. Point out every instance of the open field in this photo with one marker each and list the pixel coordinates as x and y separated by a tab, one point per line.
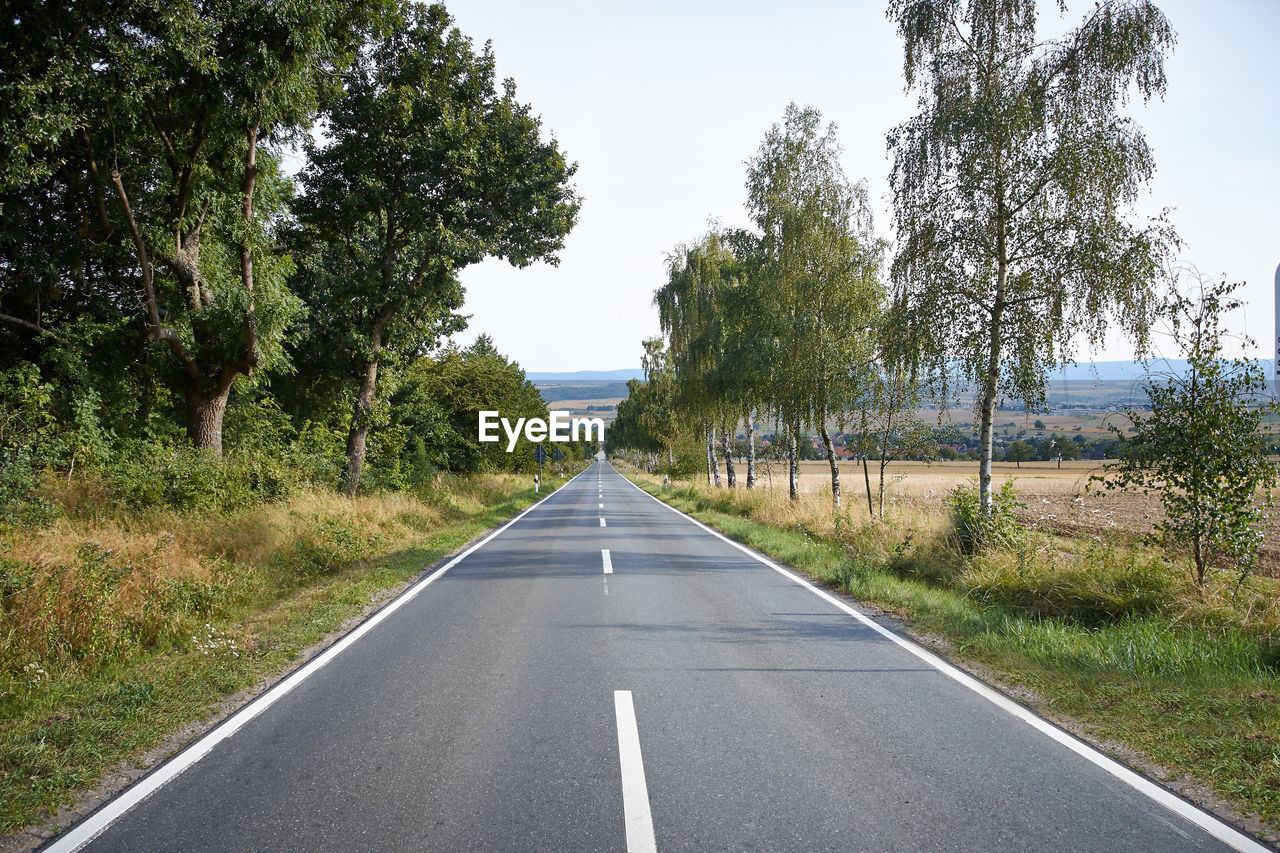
1057	499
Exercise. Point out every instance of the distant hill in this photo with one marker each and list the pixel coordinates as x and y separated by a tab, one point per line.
556	391
1113	370
1133	369
579	377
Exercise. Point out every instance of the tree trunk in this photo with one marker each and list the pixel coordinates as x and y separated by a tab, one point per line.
751	451
731	474
793	466
358	436
206	405
835	468
362	415
715	463
884	455
866	476
990	390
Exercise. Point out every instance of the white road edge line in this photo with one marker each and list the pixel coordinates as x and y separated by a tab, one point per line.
604	557
635	792
89	828
1210	824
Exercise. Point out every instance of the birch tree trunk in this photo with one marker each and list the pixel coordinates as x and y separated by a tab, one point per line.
731	473
711	452
866	475
751	451
835	468
793	466
990	391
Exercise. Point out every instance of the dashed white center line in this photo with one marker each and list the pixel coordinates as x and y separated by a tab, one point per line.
608	563
602	506
602	524
635	792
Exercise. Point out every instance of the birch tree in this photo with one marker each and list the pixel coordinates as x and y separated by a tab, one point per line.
817	284
692	316
1012	189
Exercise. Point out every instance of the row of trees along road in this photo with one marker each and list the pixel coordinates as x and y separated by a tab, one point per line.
1012	189
142	180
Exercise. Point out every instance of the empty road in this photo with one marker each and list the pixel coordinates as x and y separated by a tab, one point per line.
604	674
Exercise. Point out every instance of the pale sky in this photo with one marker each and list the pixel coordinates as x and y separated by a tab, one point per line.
661	103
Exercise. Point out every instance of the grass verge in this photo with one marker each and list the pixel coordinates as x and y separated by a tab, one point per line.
116	633
1105	632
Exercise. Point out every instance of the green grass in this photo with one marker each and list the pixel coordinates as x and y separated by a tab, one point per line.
61	731
1106	634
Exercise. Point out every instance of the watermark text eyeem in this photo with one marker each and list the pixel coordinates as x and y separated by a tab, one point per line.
561	428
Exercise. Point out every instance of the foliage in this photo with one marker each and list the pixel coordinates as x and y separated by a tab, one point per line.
427	168
438	401
1011	185
978	529
815	287
1019	451
1201	444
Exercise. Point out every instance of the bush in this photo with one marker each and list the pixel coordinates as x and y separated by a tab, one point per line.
23	501
977	530
148	476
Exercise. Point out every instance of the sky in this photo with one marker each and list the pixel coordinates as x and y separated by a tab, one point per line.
661	103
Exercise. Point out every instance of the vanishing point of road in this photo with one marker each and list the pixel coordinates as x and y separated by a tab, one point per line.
605	674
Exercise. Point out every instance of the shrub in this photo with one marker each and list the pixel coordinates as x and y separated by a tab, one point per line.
23	500
148	476
977	530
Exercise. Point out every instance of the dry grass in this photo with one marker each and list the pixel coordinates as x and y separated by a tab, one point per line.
915	480
83	588
1057	499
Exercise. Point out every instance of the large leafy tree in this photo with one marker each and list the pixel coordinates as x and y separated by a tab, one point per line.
1012	186
191	100
428	168
817	283
145	162
437	403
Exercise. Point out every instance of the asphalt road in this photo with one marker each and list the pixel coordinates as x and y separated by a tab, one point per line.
674	693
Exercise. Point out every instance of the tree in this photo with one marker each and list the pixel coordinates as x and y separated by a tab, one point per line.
899	431
817	284
659	418
1019	451
1011	185
1201	444
436	405
1060	447
429	169
693	318
186	173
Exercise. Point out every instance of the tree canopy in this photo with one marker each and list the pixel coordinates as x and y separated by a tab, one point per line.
1012	185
